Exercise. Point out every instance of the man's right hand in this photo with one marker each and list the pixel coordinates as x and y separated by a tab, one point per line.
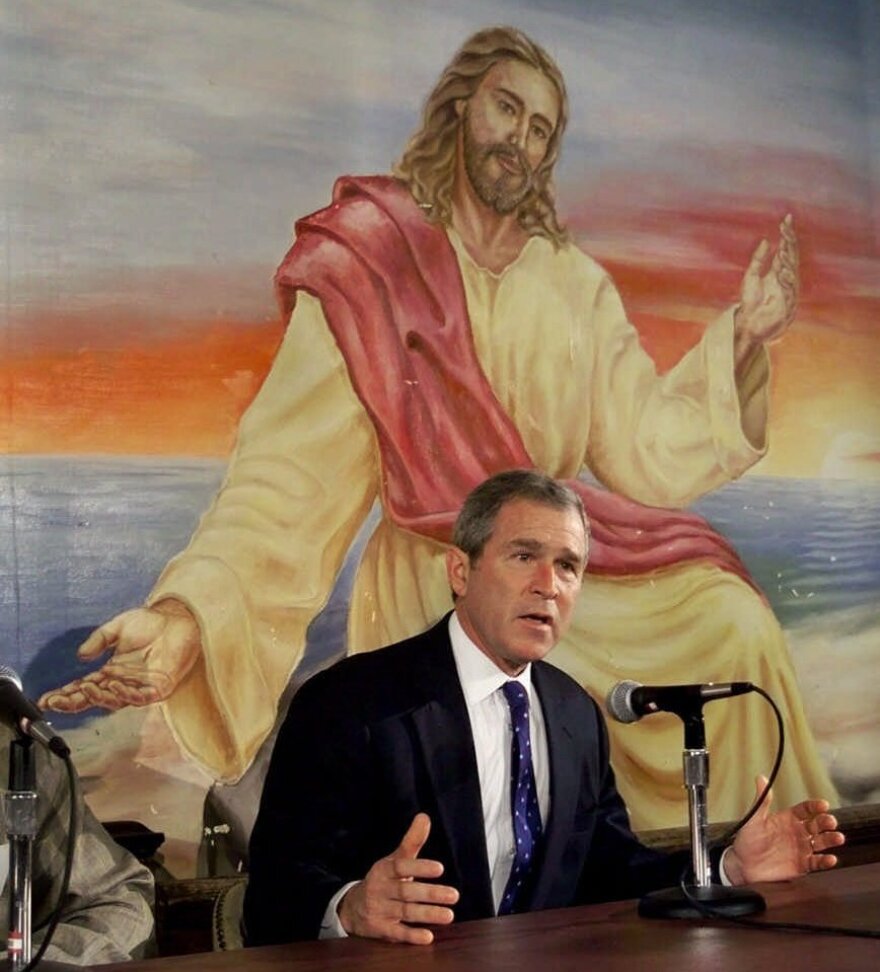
394	897
153	648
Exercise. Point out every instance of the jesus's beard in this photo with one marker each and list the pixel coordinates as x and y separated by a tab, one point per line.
504	193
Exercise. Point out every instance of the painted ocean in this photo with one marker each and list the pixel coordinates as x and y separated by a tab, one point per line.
83	538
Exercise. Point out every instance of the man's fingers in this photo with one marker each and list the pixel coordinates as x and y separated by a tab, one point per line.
826	822
414	839
823	862
416	913
409	935
760	783
827	841
414	868
814	815
423	909
416	892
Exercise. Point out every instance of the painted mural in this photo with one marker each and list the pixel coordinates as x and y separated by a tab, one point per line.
157	157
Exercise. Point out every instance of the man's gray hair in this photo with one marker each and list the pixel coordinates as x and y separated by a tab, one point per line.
476	521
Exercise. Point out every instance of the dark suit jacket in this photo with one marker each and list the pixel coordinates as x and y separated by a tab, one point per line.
380	736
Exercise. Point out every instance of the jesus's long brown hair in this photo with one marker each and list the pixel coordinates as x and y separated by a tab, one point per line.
427	165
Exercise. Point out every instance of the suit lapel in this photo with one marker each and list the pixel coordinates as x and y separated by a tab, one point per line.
443	728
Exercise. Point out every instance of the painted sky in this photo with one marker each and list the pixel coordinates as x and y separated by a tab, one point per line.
156	155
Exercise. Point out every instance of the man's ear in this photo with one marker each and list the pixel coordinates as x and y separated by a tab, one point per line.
458	567
460	106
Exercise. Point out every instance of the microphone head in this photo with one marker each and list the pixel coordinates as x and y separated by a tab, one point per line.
619	702
25	716
8	674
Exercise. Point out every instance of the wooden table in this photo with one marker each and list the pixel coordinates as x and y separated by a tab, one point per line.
602	938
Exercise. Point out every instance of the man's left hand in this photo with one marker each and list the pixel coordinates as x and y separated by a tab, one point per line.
780	846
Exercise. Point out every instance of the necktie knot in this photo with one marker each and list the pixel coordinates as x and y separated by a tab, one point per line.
517	699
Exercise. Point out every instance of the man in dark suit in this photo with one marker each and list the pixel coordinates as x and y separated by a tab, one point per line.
393	768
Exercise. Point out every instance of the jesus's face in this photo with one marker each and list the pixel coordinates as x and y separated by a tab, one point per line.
506	128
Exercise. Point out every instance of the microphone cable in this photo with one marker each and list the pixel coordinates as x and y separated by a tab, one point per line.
707	911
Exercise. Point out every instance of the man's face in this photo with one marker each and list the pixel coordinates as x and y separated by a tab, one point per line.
506	128
515	600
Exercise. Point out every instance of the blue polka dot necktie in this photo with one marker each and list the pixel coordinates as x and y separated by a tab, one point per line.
524	807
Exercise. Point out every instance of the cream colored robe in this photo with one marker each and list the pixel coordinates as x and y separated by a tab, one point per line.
553	339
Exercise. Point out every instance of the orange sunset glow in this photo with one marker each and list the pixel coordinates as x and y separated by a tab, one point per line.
178	396
185	396
182	391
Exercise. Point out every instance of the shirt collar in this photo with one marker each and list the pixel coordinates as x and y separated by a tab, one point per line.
478	674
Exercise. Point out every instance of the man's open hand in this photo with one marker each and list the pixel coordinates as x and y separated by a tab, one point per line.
784	845
394	898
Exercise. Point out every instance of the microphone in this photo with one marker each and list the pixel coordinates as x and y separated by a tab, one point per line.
628	701
17	711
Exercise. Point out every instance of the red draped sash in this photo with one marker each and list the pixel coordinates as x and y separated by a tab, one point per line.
391	291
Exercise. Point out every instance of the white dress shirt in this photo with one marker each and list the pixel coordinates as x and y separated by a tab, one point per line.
481	681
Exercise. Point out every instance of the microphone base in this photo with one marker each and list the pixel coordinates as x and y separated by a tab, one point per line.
673	903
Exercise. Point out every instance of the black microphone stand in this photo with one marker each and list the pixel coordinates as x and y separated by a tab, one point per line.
21	826
679	902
